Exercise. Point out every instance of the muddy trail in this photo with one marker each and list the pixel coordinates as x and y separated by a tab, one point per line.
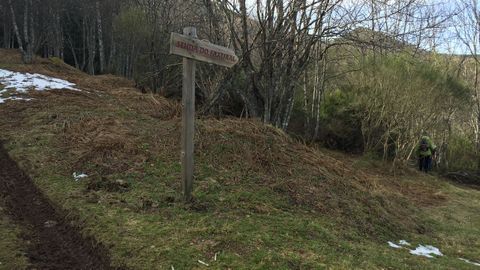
52	243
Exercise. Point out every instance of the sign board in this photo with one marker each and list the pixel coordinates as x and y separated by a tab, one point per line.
192	50
200	50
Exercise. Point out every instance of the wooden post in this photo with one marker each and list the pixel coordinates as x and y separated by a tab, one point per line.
192	49
188	119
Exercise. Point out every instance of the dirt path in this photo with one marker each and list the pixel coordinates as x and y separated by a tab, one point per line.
52	242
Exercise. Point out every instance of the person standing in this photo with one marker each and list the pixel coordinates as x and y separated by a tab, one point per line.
426	151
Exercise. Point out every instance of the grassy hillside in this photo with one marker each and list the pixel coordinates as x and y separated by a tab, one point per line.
262	199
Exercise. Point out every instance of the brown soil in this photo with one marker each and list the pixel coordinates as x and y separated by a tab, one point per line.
52	242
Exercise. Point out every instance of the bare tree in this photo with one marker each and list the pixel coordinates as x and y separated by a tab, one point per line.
467	27
277	44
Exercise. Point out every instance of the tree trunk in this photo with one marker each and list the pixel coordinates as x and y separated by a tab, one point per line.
58	37
84	44
15	28
6	29
477	97
478	143
306	120
252	96
113	51
28	52
320	91
32	37
288	114
101	48
91	45
74	53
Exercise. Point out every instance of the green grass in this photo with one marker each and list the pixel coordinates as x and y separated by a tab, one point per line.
456	225
248	227
12	251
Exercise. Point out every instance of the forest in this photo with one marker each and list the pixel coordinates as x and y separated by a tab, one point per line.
366	77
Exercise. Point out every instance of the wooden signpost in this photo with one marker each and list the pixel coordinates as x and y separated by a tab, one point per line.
192	49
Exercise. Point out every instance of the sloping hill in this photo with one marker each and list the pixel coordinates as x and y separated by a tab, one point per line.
262	199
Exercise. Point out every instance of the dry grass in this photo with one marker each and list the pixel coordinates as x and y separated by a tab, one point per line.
100	128
110	129
104	143
309	176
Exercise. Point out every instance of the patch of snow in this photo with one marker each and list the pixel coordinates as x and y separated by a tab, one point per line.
79	176
404	243
22	82
17	82
400	244
393	245
426	251
2	100
470	262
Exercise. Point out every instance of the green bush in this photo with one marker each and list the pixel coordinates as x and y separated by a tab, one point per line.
340	121
461	154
